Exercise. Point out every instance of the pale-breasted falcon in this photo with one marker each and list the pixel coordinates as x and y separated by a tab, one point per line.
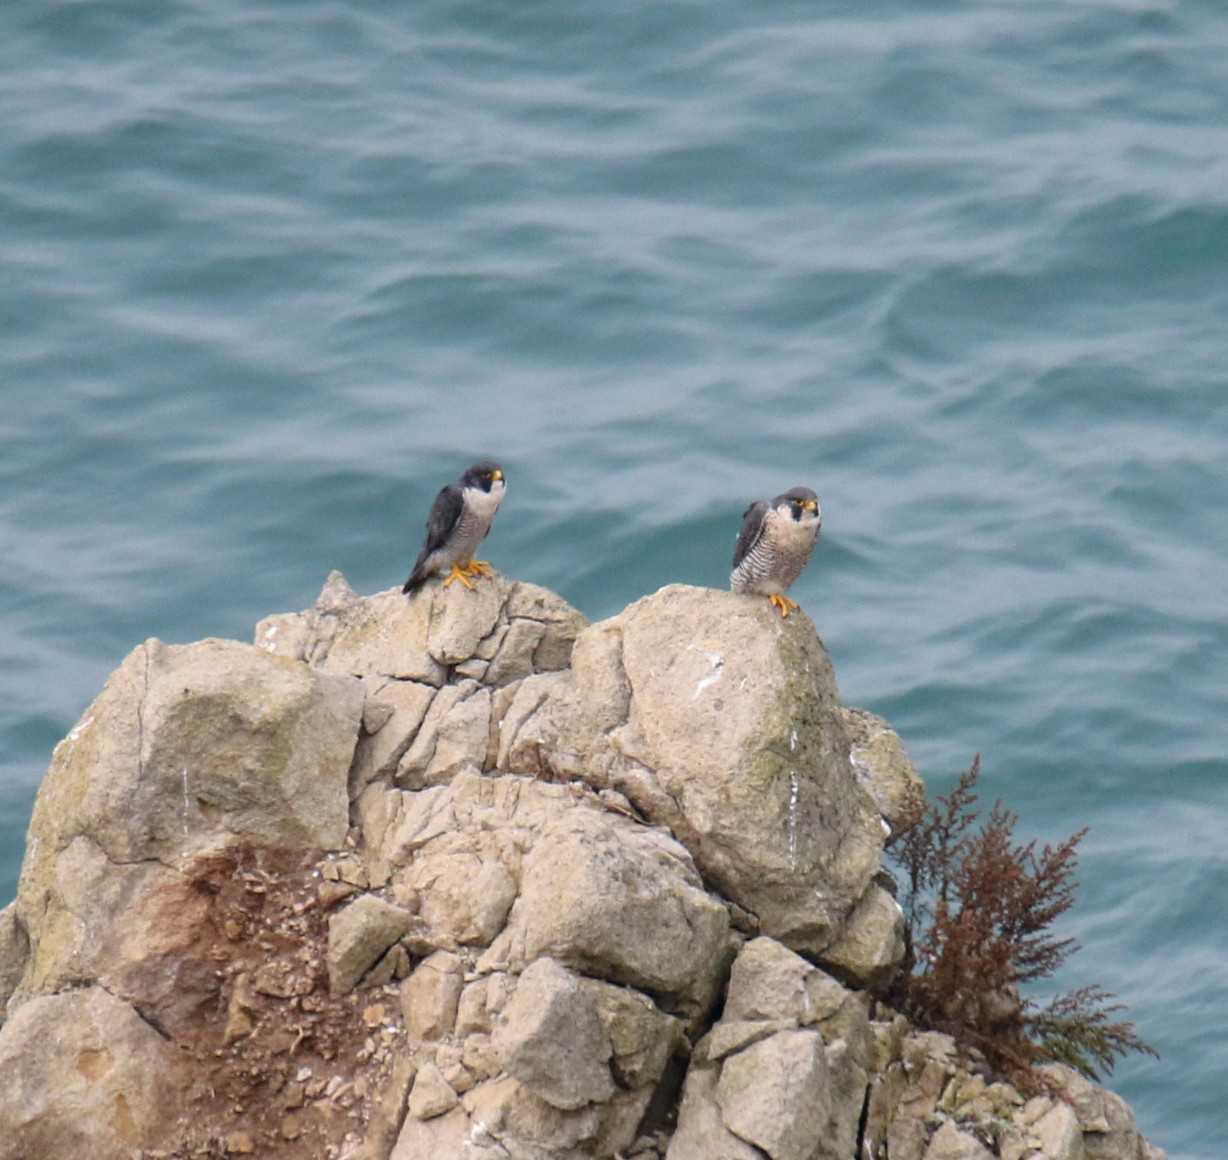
459	521
775	545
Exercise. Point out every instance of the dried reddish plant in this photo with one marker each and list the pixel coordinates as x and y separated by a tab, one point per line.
979	911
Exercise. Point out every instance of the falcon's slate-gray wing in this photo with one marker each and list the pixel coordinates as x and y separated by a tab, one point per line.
752	529
445	515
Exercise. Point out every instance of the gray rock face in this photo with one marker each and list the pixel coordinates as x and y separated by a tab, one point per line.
720	720
881	763
536	871
1108	1126
14	953
770	982
776	1094
432	1095
702	1132
1059	1134
566	911
392	718
949	1143
462	877
501	629
188	750
453	737
924	1104
783	1070
448	1135
551	1039
189	741
871	944
358	936
431	995
642	1037
81	1074
648	924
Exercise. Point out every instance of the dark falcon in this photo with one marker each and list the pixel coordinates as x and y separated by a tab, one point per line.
775	545
459	521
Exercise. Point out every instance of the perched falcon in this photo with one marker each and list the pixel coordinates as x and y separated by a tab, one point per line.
775	545
459	521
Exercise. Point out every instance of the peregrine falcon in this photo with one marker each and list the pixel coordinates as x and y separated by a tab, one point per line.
775	545
459	521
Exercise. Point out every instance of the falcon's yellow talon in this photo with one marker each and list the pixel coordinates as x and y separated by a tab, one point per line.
783	603
478	568
458	573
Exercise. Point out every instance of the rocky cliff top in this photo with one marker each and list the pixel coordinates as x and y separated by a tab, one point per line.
469	877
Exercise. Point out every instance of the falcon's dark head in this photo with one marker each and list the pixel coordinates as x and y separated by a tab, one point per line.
484	475
802	504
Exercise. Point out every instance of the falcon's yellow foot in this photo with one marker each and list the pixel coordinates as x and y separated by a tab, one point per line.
458	573
478	568
783	603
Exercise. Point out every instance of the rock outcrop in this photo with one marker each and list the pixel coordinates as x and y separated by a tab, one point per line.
720	721
468	877
784	1070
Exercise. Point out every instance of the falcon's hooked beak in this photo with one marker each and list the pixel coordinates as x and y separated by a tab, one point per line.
497	474
810	505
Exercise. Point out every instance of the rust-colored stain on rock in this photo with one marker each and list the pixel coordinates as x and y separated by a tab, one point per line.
122	1121
93	1065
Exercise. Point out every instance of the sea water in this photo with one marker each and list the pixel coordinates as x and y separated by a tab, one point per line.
271	274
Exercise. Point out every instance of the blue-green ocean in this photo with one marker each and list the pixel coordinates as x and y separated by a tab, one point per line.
271	273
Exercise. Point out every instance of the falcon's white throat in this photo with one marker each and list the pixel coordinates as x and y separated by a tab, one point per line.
796	535
484	504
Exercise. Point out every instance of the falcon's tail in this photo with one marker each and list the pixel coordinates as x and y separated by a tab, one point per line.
419	576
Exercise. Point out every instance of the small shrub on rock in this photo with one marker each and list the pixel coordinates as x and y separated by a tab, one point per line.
979	911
